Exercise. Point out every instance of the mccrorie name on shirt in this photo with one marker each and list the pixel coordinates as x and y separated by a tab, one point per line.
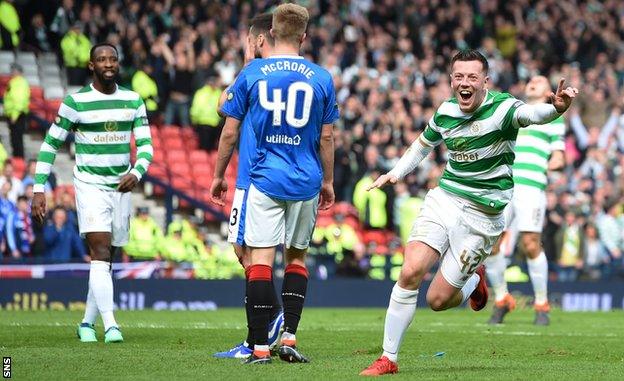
299	67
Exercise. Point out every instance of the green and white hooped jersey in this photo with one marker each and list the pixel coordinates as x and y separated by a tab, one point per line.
534	145
481	149
103	124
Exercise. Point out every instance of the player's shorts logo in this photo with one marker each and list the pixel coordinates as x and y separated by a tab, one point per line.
110	126
57	120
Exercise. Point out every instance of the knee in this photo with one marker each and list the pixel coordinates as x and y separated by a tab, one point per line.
101	253
436	302
531	245
411	274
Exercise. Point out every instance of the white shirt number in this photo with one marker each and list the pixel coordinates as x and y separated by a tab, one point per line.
278	106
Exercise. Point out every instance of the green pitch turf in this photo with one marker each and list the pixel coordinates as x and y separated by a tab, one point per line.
339	342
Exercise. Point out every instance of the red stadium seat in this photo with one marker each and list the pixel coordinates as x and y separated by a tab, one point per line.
202	171
36	93
154	131
187	133
159	156
175	156
157	170
168	132
175	143
180	169
199	157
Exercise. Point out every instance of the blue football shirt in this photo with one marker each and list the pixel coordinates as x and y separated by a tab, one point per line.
287	100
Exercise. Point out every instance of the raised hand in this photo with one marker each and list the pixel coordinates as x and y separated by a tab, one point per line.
382	180
38	208
562	99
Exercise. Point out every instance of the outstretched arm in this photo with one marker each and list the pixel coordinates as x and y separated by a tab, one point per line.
544	113
416	153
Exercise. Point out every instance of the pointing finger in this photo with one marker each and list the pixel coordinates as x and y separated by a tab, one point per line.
560	87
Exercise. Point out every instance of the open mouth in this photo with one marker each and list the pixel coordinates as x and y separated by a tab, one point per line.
465	95
109	73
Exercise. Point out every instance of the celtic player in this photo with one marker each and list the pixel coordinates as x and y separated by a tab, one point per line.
103	116
538	149
462	218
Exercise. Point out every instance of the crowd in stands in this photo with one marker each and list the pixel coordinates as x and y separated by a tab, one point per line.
389	60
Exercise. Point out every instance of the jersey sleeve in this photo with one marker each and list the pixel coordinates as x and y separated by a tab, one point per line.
143	138
235	104
510	120
64	122
557	132
431	135
331	112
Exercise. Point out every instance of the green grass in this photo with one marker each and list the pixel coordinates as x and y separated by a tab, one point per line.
339	342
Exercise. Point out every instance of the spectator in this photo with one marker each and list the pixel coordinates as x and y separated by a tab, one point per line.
610	230
7	209
76	48
145	85
204	116
16	102
183	63
371	205
145	237
10	26
63	19
62	240
37	36
29	178
16	187
19	230
596	255
571	244
174	248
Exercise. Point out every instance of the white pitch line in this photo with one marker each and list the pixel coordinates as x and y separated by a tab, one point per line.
368	327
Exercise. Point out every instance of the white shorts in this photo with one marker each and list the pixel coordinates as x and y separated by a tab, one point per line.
236	225
527	210
269	222
462	234
102	210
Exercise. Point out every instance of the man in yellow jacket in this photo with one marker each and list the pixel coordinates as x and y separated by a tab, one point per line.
145	237
145	85
204	116
76	48
16	101
9	26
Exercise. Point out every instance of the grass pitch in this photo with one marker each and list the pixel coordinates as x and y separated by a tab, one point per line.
339	342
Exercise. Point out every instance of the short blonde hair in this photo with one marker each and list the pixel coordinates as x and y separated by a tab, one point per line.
290	22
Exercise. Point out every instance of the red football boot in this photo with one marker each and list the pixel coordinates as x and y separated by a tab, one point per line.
382	365
479	297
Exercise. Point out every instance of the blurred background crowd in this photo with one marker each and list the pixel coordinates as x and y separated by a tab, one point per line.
389	60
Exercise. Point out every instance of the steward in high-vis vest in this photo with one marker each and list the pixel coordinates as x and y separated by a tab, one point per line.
145	85
204	116
76	48
146	237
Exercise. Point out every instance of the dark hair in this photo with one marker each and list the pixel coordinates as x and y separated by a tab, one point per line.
99	45
471	55
22	198
262	23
